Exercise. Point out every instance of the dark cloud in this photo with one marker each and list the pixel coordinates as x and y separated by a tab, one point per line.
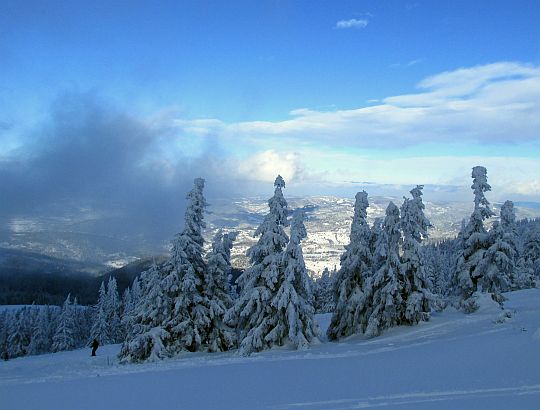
90	155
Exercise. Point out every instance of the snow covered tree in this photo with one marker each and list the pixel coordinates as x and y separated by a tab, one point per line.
113	308
474	243
101	330
185	299
20	332
64	337
190	321
323	295
414	225
498	263
355	270
147	338
130	300
5	324
294	321
529	260
376	232
216	292
253	313
41	332
384	289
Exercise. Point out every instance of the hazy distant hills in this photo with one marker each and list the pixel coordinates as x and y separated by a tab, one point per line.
328	223
83	239
29	277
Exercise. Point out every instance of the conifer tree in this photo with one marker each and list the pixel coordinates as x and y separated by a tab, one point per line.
5	324
221	337
41	332
147	339
414	225
113	309
252	313
355	270
64	336
323	296
474	243
498	263
19	332
294	322
101	330
384	289
189	323
529	260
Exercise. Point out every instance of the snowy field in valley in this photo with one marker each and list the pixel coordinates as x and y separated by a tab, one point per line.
455	361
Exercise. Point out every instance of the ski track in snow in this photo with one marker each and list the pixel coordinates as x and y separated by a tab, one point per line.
411	398
452	361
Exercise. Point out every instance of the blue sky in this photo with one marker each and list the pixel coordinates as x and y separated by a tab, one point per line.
324	92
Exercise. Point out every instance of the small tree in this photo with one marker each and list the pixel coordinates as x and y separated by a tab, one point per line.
147	338
41	332
100	327
323	296
64	337
355	269
474	243
216	292
414	224
385	288
113	308
294	321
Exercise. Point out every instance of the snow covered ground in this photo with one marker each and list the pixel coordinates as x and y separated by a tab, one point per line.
455	361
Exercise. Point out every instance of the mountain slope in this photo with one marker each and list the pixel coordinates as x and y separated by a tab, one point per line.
453	361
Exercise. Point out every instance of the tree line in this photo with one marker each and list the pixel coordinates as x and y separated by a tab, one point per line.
388	277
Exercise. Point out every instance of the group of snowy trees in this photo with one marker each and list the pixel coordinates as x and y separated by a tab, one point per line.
503	258
112	316
382	280
31	330
189	305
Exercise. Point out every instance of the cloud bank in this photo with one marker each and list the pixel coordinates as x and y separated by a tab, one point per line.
88	154
494	103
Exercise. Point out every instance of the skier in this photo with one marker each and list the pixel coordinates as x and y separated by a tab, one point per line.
94	345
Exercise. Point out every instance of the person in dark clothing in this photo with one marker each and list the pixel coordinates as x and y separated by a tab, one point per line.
94	345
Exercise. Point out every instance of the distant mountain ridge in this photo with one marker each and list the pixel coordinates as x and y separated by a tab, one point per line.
328	225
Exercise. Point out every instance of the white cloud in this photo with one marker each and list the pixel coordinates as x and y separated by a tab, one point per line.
490	104
266	165
352	23
494	103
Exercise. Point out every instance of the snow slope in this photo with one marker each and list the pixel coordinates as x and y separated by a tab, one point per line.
455	361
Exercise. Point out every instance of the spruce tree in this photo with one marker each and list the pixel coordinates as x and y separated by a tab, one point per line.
414	224
294	321
189	323
252	313
498	263
41	332
385	288
101	330
147	339
20	332
474	243
64	337
113	309
323	296
355	269
221	337
529	260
